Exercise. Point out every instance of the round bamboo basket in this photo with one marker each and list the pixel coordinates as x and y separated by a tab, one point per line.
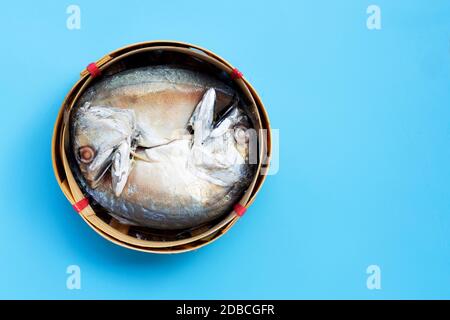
143	239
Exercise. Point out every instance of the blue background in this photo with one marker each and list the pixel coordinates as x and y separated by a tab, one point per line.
364	119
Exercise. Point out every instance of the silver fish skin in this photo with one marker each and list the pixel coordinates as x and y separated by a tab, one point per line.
135	154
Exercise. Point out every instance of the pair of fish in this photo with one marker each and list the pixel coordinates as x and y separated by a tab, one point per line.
151	147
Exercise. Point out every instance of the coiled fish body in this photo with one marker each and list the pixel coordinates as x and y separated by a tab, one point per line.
149	148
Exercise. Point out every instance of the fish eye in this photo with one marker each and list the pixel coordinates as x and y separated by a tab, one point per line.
86	154
240	135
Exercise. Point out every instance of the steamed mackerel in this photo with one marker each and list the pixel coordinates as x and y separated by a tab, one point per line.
151	149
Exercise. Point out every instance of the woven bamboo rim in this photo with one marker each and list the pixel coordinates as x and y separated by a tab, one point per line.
115	232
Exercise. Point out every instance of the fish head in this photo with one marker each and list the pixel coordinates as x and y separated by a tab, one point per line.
228	131
220	148
102	139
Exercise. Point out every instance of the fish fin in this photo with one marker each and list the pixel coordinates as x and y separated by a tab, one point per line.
121	167
202	117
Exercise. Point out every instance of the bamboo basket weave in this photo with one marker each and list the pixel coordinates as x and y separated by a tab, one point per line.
139	238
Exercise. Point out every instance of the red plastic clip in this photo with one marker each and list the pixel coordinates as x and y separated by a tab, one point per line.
236	74
93	70
80	205
239	209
